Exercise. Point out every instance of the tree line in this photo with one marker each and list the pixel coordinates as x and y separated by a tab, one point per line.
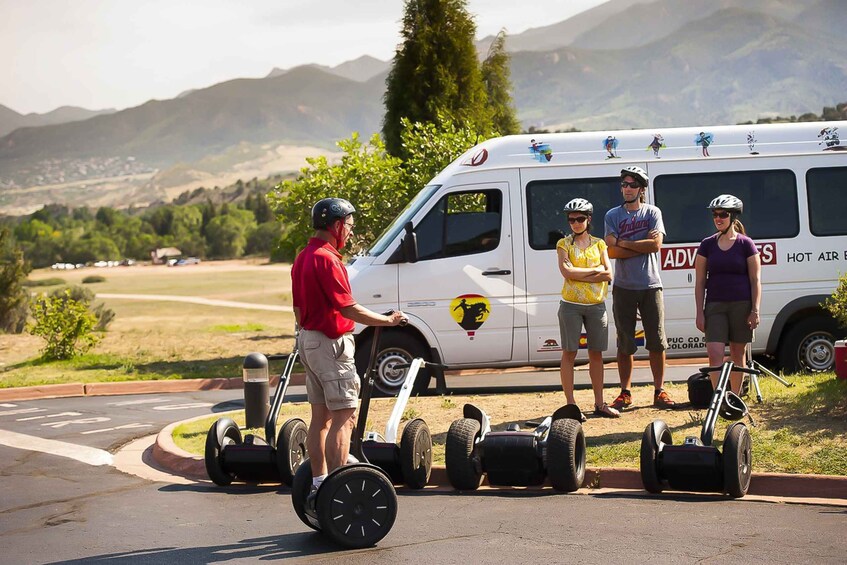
205	229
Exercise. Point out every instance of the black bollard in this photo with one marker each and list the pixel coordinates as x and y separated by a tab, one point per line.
255	374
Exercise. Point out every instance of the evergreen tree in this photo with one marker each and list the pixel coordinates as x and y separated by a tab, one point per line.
497	79
14	299
435	71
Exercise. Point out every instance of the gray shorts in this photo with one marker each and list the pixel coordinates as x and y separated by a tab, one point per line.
726	322
331	377
626	304
572	318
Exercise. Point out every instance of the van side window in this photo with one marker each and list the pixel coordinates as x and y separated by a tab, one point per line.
770	203
545	200
826	189
461	223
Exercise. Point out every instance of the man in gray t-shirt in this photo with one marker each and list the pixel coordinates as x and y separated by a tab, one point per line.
634	234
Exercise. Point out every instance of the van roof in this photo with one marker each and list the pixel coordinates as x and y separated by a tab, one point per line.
623	146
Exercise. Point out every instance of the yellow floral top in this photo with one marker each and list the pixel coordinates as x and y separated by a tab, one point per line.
580	292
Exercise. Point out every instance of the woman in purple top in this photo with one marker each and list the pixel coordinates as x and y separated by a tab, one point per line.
727	291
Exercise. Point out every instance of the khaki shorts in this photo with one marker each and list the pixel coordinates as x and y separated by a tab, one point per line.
572	318
626	304
331	377
726	322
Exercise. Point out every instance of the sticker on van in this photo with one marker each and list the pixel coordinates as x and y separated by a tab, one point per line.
540	151
470	311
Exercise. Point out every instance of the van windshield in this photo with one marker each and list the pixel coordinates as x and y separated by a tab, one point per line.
408	212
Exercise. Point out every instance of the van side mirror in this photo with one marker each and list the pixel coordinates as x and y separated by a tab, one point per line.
409	244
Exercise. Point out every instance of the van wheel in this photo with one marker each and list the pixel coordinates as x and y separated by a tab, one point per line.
394	347
809	345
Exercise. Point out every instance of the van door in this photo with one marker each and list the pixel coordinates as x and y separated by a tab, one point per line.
462	285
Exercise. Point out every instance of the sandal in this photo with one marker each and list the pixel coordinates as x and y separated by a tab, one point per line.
606	411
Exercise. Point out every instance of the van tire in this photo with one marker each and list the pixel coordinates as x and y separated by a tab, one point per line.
394	347
809	345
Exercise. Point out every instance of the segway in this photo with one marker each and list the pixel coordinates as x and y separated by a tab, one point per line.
554	450
410	461
256	459
697	465
356	504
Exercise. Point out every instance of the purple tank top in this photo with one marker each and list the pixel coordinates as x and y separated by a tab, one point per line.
727	279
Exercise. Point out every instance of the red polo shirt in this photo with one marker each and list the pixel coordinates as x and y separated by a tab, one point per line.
320	288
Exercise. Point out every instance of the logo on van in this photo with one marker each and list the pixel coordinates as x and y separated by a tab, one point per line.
541	152
470	311
477	158
829	137
683	257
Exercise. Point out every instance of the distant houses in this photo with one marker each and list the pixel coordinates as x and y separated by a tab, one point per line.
160	256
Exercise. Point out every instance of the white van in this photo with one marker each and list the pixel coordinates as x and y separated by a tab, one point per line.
472	261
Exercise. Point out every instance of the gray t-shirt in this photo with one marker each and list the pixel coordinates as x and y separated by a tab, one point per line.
642	271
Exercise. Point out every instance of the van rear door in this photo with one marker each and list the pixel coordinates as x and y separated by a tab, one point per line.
462	285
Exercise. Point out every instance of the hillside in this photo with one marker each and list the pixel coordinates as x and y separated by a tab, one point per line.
11	120
673	63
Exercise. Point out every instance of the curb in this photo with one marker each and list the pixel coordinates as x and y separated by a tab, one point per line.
783	485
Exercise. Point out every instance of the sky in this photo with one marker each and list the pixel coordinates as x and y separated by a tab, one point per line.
99	54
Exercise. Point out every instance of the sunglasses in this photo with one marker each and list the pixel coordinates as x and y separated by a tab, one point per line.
577	220
721	215
633	184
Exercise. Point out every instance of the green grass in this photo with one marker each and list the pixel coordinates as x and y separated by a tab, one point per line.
236	328
53	281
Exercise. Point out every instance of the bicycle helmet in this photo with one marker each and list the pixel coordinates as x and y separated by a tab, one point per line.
326	211
733	407
727	202
636	173
579	205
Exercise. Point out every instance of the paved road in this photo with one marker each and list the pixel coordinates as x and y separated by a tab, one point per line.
58	508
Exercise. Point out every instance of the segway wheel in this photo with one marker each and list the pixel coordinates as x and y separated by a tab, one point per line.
300	487
222	433
416	454
655	436
357	506
462	471
566	455
737	460
290	449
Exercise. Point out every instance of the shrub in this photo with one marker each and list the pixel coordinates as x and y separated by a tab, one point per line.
837	303
44	282
66	324
86	296
93	279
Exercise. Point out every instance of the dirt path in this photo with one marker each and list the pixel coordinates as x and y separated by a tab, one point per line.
196	300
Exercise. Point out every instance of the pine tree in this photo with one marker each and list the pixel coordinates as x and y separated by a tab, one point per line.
497	79
435	71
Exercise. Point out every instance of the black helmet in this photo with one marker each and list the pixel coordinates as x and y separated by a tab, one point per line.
328	210
636	172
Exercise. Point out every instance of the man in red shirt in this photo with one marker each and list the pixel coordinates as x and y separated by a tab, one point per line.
326	313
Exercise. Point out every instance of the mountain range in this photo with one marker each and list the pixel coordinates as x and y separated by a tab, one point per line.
624	63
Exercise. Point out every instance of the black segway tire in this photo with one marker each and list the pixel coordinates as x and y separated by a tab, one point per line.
300	487
737	460
566	455
357	505
655	436
462	472
291	449
222	433
416	454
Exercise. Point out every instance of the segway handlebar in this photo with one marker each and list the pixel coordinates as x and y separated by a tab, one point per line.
424	363
748	370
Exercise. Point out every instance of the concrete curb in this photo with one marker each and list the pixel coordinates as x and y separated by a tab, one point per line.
825	488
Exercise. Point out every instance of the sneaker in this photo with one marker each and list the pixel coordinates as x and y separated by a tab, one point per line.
624	400
311	500
662	400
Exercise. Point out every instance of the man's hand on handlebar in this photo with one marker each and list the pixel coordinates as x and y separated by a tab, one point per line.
397	318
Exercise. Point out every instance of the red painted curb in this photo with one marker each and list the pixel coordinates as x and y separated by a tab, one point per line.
42	391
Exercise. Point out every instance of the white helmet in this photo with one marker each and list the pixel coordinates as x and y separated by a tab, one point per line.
637	173
579	205
727	202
